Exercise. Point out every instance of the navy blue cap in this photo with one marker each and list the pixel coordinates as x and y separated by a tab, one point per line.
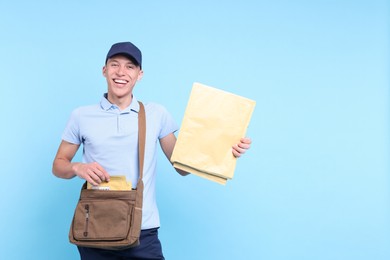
128	49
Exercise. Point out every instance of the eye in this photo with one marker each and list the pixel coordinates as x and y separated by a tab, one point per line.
130	67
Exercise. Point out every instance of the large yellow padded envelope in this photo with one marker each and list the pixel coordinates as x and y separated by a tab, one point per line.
213	122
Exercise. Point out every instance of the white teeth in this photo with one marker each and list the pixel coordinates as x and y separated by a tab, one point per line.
120	81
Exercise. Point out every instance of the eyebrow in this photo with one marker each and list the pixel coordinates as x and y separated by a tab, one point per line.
129	62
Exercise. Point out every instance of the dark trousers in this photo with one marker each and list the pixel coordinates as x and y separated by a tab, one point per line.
149	248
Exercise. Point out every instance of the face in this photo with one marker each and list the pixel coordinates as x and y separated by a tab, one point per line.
121	75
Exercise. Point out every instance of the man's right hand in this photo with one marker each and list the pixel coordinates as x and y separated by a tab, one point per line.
93	173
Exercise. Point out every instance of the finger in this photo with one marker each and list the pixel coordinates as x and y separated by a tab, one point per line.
237	151
94	176
101	172
246	140
240	150
105	175
244	146
91	180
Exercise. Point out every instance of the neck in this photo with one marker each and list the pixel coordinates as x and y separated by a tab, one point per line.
121	102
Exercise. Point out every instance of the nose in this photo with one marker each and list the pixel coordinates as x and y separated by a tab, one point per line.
120	70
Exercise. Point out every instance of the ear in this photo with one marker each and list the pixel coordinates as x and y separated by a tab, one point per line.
140	75
104	70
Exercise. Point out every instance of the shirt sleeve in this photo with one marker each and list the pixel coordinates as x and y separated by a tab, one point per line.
71	133
168	124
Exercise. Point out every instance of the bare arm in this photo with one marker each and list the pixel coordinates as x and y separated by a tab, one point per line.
167	144
63	167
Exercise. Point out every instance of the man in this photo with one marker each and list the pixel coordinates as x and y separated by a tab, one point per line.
108	132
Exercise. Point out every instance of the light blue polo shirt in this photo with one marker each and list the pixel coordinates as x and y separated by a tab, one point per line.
110	137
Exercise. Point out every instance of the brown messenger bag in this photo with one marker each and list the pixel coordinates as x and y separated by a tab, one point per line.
111	219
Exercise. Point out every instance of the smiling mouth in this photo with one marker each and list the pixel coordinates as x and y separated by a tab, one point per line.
120	81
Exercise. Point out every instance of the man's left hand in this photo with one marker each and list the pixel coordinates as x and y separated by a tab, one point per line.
240	148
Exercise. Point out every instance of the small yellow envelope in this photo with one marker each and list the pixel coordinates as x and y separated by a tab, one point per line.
213	122
115	183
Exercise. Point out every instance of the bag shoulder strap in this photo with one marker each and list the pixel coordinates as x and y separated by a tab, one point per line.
141	140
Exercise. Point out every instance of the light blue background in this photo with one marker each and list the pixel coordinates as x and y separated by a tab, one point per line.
315	184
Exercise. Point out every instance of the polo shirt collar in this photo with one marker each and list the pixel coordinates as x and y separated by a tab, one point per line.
107	105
